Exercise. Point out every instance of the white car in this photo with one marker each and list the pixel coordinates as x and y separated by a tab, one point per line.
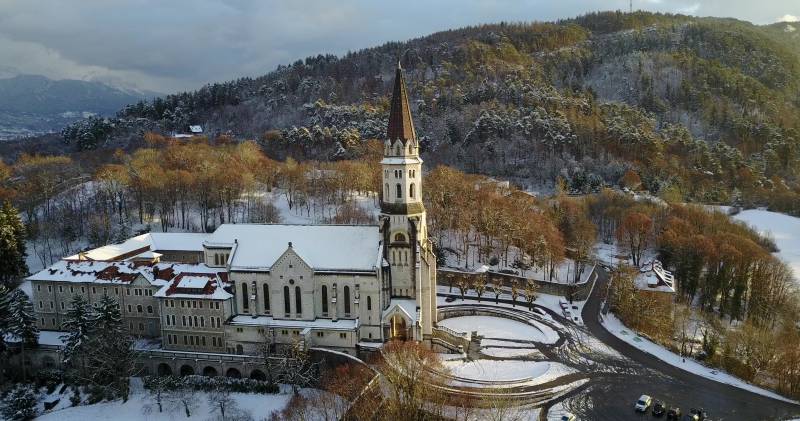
568	417
643	403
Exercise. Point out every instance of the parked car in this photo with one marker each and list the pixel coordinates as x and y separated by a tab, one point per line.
449	299
674	413
691	417
568	417
699	413
659	409
643	403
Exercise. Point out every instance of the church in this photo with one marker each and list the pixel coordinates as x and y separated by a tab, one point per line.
348	288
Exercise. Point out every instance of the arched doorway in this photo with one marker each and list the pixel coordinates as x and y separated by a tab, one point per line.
258	375
187	370
397	328
232	372
164	370
210	372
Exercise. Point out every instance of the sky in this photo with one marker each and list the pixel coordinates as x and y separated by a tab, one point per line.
173	45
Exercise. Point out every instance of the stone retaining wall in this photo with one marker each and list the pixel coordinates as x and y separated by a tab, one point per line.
579	291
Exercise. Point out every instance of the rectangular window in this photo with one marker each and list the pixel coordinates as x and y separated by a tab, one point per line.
203	338
185	341
94	290
202	322
128	292
343	335
41	304
60	288
62	305
320	334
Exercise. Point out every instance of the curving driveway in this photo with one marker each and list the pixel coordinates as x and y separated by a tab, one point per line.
612	397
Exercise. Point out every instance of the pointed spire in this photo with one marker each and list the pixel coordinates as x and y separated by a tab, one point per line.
400	124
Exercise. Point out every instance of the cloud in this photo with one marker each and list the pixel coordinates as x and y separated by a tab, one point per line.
690	10
789	18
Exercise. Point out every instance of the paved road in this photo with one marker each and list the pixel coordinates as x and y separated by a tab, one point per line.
610	396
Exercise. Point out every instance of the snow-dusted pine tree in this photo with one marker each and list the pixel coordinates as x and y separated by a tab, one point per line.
110	354
21	322
12	246
78	325
107	319
19	404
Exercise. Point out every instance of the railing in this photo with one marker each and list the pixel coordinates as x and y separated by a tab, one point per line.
452	338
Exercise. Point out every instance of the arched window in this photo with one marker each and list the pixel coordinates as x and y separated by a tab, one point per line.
150	309
369	302
139	308
399	191
298	301
400	238
324	300
411	190
266	298
286	304
245	300
347	301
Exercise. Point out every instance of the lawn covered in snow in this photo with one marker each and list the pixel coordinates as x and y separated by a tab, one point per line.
616	328
783	228
502	329
260	406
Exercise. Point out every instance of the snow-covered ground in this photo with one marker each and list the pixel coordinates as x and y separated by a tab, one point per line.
616	328
498	329
260	406
783	228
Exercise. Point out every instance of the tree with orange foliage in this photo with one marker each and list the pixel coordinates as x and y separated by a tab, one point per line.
634	233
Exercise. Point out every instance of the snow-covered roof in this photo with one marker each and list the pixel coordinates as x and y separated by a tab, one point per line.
196	286
155	241
148	255
266	321
323	247
46	338
117	272
653	277
128	248
401	160
405	305
177	241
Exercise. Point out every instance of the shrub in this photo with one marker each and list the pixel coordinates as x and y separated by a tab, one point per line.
19	403
208	384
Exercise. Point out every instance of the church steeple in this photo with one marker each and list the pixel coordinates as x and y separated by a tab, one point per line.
401	127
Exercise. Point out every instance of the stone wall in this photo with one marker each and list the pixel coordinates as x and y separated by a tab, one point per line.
579	291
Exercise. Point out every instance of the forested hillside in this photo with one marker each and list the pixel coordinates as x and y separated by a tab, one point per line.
699	109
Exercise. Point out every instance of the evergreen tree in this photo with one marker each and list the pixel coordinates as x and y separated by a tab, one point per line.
107	317
4	302
78	324
19	404
21	322
109	354
12	246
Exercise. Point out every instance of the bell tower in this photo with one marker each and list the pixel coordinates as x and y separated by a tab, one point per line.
402	212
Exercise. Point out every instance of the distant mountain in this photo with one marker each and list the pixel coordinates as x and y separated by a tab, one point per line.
32	104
